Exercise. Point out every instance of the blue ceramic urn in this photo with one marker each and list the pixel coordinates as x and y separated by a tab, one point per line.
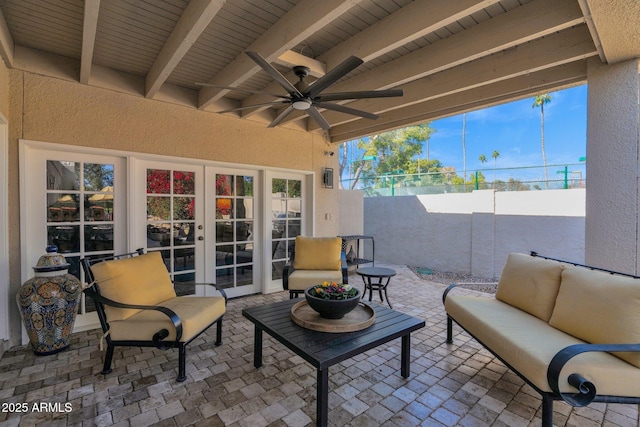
48	303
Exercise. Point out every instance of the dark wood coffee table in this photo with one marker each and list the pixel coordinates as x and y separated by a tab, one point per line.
323	349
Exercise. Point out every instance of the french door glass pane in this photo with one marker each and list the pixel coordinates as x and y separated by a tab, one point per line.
171	223
286	202
234	229
80	202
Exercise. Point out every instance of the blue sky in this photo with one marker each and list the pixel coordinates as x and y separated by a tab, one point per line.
514	130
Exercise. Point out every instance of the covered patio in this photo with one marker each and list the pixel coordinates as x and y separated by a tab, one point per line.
456	384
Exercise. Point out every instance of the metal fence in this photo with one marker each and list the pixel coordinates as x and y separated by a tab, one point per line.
526	178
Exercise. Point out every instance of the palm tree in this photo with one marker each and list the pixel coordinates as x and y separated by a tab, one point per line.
539	101
495	156
483	159
464	149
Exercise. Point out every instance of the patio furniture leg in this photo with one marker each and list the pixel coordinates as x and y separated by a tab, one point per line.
257	347
449	330
547	411
219	332
385	293
182	362
322	396
405	358
108	357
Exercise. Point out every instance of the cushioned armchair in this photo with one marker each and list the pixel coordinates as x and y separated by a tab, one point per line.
137	306
314	260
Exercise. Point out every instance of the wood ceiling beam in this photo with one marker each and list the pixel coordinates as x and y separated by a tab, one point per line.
306	18
7	47
524	24
407	24
194	20
89	27
413	21
519	87
567	46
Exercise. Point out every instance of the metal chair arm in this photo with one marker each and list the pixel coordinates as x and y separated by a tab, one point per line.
586	389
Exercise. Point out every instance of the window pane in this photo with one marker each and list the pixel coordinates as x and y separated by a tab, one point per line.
159	235
98	177
98	238
295	188
244	208
183	182
224	208
243	231
158	181
244	186
279	187
183	208
224	231
98	207
63	175
158	208
66	238
62	207
224	255
224	185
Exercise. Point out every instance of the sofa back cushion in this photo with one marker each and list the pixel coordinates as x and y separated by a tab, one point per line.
599	308
530	284
317	253
140	280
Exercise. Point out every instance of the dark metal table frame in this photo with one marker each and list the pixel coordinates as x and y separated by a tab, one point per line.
323	349
380	273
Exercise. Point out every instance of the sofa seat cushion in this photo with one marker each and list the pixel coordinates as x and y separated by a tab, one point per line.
196	313
530	284
528	344
599	308
318	253
140	280
302	279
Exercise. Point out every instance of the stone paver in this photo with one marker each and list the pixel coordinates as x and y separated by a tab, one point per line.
458	384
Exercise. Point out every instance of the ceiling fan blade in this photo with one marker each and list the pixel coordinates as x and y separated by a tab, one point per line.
281	117
272	103
339	96
275	74
241	90
315	115
333	76
347	110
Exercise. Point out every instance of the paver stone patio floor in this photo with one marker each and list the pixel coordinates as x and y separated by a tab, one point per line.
458	384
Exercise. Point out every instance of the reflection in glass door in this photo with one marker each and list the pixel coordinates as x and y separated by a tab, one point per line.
80	213
286	222
170	225
235	232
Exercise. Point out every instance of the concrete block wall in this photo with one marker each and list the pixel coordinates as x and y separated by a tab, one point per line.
473	233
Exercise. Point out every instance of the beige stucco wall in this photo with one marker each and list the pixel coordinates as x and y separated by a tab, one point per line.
613	124
58	111
4	90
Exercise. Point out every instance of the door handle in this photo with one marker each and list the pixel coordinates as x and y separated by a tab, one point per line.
200	238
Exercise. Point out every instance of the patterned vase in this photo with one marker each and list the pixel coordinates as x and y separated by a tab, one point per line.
48	303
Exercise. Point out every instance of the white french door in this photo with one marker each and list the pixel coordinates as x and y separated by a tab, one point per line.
76	202
288	202
234	233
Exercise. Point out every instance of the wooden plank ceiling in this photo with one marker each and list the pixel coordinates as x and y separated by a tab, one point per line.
447	56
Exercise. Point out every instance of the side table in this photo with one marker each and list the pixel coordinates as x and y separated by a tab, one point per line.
380	273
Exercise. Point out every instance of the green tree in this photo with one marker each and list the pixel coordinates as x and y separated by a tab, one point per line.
392	152
483	159
540	101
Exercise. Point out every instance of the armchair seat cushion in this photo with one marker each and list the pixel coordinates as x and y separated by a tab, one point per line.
196	313
302	279
318	253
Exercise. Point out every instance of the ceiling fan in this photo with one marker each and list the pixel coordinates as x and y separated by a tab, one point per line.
309	97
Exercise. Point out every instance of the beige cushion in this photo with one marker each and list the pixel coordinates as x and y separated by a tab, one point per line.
530	284
140	280
196	314
317	253
528	344
600	308
302	279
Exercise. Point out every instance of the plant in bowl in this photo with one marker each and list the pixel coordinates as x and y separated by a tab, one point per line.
332	300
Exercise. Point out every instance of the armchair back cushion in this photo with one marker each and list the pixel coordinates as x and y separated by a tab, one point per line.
140	280
599	308
530	284
317	253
